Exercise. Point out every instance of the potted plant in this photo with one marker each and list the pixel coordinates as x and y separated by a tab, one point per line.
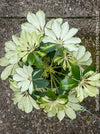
47	67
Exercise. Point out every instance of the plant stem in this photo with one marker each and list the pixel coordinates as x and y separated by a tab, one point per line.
56	79
60	73
51	81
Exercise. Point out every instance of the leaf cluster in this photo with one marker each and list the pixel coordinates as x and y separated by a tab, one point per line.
45	68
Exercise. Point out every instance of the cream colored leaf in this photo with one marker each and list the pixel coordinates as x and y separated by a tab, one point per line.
28	27
70	113
33	20
94	77
64	29
91	91
73	40
50	33
56	27
41	17
61	115
4	61
27	105
6	72
81	52
34	103
95	83
80	94
70	34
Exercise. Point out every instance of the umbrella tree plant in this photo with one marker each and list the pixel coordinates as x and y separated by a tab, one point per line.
45	67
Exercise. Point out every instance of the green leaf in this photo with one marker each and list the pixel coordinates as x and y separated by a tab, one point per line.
48	47
43	100
51	94
57	58
64	65
41	82
6	72
37	73
89	68
68	83
63	96
38	62
31	59
75	71
4	61
41	53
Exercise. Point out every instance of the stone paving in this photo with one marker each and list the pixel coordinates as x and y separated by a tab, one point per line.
81	14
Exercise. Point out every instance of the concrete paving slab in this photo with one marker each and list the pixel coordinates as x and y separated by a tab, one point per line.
14	121
53	8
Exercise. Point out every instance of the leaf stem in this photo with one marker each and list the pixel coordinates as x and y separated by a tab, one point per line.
51	81
60	73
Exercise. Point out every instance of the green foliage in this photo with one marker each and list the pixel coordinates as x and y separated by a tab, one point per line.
38	81
31	59
51	94
68	83
89	68
41	53
38	62
37	73
45	68
75	71
48	47
64	58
